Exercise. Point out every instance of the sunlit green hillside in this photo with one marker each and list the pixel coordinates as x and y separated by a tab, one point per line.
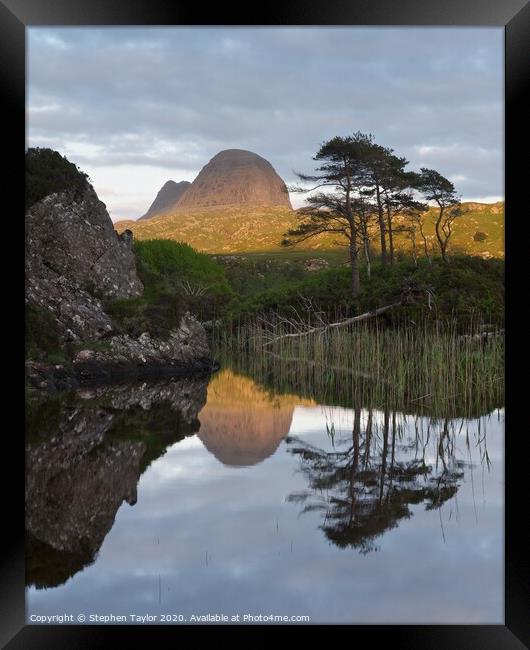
480	231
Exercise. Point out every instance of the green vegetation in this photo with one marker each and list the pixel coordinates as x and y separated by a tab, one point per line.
48	172
165	265
236	288
417	358
176	279
218	230
250	276
260	232
467	287
368	187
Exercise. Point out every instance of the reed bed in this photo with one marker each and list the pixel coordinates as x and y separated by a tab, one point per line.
421	367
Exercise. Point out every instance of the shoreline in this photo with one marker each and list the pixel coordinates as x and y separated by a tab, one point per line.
57	377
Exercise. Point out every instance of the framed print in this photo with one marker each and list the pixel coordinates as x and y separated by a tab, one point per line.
267	371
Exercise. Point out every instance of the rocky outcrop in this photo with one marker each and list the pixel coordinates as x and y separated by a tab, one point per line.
185	350
74	260
235	177
166	198
79	316
76	240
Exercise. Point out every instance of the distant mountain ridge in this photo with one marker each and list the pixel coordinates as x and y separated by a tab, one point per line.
167	197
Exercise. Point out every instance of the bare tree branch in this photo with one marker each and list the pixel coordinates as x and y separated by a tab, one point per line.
343	323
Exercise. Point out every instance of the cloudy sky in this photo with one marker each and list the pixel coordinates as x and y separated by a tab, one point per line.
135	107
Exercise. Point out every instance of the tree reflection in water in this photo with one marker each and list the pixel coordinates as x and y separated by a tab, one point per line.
366	489
85	453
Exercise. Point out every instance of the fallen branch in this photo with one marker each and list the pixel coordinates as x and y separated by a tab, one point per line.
343	323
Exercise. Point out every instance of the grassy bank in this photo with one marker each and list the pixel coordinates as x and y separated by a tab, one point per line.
176	279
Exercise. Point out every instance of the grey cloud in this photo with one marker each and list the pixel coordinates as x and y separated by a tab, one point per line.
186	93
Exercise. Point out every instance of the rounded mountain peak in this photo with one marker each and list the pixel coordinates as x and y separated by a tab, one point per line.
236	177
239	155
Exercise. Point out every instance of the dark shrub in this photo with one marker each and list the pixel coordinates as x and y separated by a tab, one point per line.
48	172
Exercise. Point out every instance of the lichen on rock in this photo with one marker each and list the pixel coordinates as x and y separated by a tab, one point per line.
75	259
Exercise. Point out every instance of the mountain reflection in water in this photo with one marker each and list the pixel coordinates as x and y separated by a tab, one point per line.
229	466
242	424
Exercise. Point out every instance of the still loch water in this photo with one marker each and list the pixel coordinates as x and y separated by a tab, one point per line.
198	497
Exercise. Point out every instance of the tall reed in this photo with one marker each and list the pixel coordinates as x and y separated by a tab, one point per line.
421	367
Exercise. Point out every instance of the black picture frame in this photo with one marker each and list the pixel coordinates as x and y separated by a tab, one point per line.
514	15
